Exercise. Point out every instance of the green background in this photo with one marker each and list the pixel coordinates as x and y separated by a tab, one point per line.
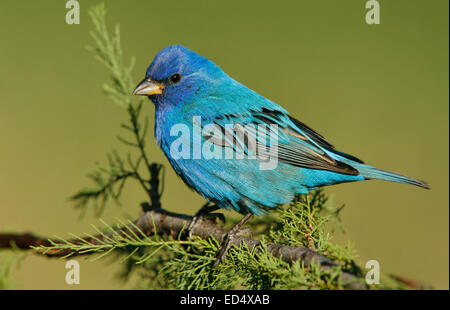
379	92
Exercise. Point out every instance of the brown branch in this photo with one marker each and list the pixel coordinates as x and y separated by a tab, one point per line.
169	223
21	241
414	284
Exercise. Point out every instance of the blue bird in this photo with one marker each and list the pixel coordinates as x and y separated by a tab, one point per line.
189	91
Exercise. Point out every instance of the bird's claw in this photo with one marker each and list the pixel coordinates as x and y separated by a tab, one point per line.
204	214
213	217
228	241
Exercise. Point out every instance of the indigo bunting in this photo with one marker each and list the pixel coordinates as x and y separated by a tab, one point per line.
189	90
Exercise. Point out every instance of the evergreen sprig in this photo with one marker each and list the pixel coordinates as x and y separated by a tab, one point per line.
188	264
8	261
109	239
109	179
303	223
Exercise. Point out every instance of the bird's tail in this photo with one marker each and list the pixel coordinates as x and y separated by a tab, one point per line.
373	173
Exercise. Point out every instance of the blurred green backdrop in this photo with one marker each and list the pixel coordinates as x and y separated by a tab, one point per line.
377	91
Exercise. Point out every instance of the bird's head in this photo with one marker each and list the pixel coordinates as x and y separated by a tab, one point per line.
177	75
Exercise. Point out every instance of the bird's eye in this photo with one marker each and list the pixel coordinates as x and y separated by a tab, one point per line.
175	78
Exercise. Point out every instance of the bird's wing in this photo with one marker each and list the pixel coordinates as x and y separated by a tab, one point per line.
313	135
297	144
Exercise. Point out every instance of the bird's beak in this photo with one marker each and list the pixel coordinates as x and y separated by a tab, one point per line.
148	87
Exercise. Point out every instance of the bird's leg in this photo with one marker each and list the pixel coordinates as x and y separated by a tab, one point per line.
205	213
227	240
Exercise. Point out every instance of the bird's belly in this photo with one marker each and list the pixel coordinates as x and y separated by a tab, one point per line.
228	181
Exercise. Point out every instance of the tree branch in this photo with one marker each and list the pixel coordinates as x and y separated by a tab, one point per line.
169	223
